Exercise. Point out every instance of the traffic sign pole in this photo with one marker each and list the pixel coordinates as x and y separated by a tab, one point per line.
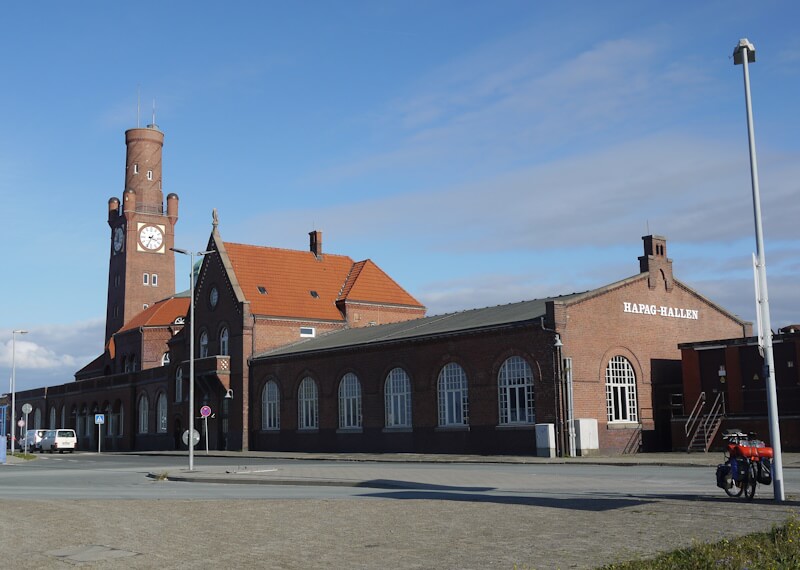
99	419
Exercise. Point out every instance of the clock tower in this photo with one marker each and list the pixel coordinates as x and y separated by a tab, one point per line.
141	269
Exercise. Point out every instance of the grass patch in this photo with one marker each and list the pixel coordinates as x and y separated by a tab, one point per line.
21	455
777	549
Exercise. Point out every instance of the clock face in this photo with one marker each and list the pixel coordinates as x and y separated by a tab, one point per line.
151	237
213	297
119	239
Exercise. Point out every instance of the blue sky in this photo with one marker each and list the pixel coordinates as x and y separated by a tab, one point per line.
479	152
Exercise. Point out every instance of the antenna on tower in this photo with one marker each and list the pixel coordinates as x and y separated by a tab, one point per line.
647	223
138	105
154	111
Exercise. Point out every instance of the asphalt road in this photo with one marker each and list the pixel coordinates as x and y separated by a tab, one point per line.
63	511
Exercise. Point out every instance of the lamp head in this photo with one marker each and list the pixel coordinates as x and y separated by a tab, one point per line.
744	45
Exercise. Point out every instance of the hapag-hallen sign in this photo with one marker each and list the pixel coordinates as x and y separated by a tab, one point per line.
662	311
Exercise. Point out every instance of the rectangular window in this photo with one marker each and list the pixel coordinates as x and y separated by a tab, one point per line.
154	280
136	168
146	279
308	332
149	174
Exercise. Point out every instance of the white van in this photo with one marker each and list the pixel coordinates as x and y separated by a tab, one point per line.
32	440
59	440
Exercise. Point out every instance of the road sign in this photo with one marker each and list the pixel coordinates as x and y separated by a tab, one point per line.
195	437
205	411
99	419
27	408
21	423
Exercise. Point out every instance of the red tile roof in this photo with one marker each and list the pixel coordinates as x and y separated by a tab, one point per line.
369	283
298	284
162	313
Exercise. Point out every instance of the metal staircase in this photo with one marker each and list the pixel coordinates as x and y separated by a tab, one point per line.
702	426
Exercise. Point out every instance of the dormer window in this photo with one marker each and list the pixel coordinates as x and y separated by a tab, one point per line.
262	289
314	294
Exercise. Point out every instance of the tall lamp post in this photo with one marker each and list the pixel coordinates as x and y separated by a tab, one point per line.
745	53
190	440
14	385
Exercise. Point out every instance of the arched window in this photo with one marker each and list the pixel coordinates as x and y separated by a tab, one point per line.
270	407
349	402
37	419
307	405
81	423
453	401
63	423
165	359
223	341
91	430
109	420
515	392
161	413
203	344
51	423
621	391
144	418
397	399
120	419
179	384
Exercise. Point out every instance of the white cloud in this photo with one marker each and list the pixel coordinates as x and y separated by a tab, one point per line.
51	354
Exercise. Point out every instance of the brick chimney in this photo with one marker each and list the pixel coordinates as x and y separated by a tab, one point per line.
655	263
315	243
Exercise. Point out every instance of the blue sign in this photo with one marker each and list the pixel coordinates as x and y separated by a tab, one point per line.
99	419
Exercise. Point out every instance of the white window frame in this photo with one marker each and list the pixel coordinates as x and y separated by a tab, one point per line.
224	337
270	407
621	398
136	168
179	384
307	405
161	413
397	399
453	396
308	332
154	279
515	392
149	174
165	359
350	402
203	344
145	279
143	414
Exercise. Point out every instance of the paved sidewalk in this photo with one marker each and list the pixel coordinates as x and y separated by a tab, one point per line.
375	470
415	517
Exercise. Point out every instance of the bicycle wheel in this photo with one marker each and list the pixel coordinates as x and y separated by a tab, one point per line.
750	481
733	489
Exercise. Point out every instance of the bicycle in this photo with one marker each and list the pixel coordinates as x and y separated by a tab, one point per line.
748	461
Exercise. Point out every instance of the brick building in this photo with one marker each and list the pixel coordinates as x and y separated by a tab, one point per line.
313	350
724	387
480	380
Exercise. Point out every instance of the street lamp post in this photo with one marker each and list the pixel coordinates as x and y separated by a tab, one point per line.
745	53
190	439
14	385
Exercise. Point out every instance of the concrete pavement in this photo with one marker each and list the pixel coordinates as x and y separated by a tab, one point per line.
400	526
